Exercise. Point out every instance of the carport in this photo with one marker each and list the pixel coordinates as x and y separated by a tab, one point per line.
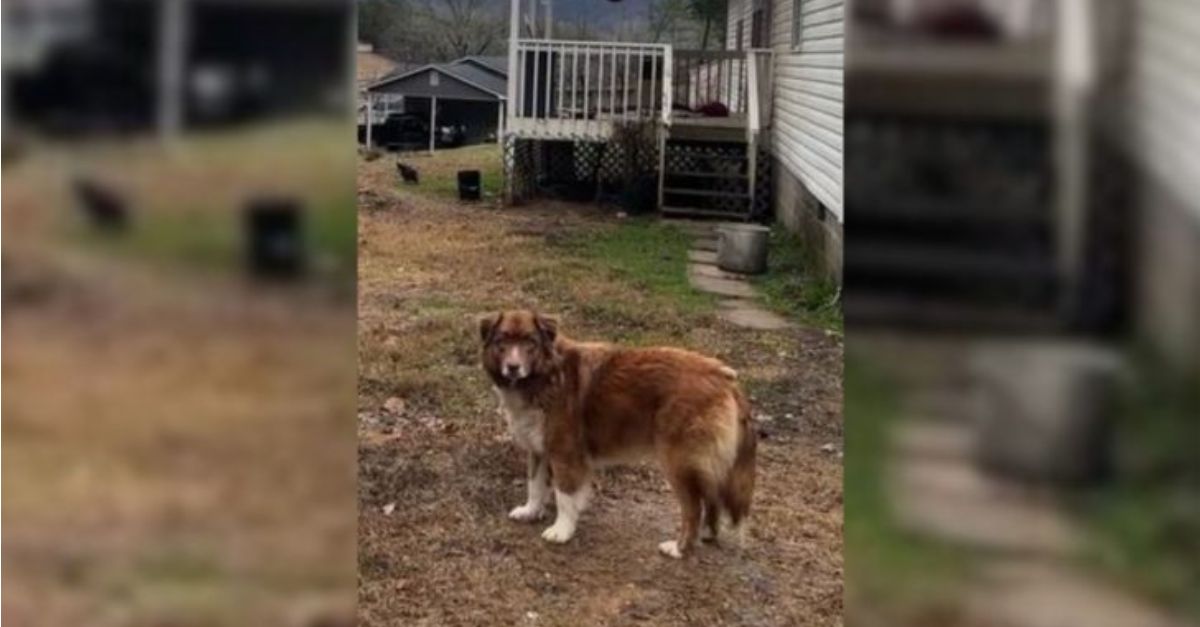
469	91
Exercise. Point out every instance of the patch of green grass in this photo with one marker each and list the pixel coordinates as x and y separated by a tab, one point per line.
792	288
180	564
196	239
187	204
1146	522
446	185
211	239
439	172
901	575
650	255
332	230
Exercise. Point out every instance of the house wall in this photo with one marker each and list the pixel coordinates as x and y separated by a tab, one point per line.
1165	134
807	119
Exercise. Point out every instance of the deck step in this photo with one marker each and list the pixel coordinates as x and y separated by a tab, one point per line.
724	135
924	261
737	157
906	311
717	175
703	213
705	192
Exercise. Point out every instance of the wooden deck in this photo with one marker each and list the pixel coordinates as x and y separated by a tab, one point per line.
730	129
599	127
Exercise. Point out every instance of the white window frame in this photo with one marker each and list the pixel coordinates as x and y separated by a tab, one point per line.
797	24
765	7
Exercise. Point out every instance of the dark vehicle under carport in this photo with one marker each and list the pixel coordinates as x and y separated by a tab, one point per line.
466	96
410	131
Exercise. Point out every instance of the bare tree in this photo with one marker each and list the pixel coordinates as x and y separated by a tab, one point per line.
665	19
458	28
383	23
432	30
710	13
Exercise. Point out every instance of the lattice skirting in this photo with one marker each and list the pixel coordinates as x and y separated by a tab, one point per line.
519	170
764	189
588	170
577	170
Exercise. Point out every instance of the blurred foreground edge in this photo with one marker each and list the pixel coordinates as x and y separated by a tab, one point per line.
1023	313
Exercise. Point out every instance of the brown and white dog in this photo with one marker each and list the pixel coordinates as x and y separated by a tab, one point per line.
574	406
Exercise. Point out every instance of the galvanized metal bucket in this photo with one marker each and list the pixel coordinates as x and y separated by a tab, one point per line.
742	248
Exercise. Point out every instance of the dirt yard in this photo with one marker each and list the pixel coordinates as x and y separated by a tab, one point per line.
178	447
437	474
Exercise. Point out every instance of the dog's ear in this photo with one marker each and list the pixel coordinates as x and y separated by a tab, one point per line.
488	324
547	326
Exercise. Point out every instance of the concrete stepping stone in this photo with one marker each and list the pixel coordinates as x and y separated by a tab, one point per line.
750	315
721	287
736	303
1034	593
953	500
694	227
710	270
702	256
705	243
934	439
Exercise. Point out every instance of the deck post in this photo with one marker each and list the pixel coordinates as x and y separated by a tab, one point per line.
173	26
432	123
499	121
668	78
370	116
1075	80
514	26
752	123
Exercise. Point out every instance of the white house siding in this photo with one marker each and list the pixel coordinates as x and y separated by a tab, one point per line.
807	123
1164	96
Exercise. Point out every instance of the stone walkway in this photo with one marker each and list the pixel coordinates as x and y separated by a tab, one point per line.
1025	547
739	302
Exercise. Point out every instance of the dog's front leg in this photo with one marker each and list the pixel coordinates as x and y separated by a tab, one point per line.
538	486
572	491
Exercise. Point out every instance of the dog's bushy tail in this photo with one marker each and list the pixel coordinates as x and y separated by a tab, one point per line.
737	490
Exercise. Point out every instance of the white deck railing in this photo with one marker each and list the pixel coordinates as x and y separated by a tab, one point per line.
760	94
581	88
708	76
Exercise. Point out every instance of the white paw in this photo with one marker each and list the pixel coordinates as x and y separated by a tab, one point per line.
738	535
670	548
558	533
526	513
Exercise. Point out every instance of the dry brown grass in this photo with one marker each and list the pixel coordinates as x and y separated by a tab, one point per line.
176	447
447	555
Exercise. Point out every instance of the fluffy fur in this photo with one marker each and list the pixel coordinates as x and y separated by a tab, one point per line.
574	406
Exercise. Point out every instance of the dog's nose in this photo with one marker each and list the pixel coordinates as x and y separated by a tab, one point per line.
512	369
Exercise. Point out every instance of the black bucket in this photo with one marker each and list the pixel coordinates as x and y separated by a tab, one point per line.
469	186
275	246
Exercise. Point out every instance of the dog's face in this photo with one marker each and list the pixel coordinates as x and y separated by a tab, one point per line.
517	345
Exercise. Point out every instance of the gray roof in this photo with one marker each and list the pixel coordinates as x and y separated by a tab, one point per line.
497	64
477	76
471	76
401	69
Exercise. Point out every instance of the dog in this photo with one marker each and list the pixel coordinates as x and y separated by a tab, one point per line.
104	208
576	406
409	174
